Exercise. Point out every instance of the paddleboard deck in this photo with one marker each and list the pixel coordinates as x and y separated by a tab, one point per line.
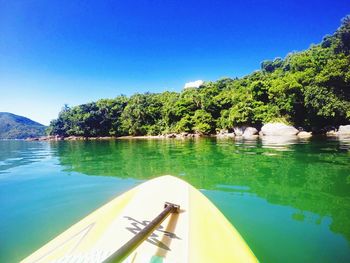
198	233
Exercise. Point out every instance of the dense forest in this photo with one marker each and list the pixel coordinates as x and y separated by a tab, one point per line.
309	89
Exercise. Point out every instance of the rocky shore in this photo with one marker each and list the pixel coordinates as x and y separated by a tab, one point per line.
277	130
271	130
82	138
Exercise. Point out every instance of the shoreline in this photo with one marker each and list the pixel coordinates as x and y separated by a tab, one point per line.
127	137
179	137
273	131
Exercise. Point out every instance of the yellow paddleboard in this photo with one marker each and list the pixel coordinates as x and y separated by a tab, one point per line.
199	233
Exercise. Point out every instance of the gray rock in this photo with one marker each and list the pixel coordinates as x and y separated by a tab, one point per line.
278	129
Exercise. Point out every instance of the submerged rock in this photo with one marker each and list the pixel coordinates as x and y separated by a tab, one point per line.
278	129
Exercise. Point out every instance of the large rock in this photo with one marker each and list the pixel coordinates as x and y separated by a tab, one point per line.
278	129
344	130
250	131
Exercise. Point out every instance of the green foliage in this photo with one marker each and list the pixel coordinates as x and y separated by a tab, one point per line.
203	122
309	88
342	36
185	124
17	127
270	66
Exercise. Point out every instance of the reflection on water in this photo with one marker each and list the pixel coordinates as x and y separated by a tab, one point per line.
17	152
290	196
280	143
311	177
344	142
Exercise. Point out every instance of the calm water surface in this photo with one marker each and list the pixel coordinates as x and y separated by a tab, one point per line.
289	200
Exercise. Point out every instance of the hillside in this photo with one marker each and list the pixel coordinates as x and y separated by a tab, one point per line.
18	127
308	89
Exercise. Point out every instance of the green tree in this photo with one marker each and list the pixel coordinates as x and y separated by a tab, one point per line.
310	88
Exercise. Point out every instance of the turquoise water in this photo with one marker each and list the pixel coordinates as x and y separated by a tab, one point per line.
289	200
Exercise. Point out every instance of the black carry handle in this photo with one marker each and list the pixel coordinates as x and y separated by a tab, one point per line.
133	243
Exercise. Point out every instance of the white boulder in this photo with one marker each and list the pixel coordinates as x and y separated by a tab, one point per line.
278	129
344	130
304	134
250	131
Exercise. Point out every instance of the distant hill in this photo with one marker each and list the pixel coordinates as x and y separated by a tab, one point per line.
18	127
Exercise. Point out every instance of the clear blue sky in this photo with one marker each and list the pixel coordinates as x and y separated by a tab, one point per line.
57	52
